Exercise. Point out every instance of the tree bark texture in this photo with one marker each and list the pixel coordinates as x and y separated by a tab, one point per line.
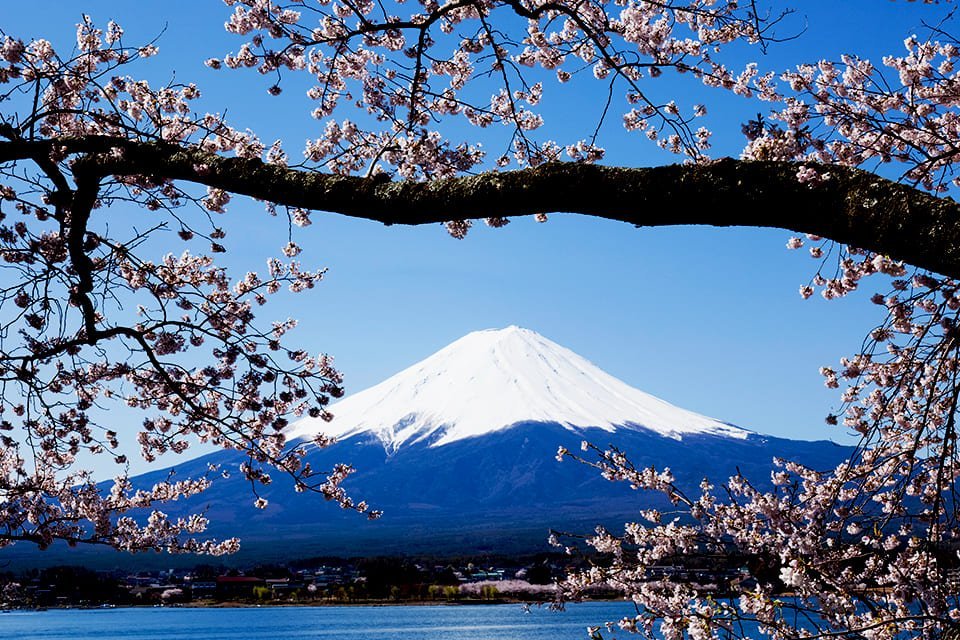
851	206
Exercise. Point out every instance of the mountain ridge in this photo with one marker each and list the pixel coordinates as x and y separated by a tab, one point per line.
493	486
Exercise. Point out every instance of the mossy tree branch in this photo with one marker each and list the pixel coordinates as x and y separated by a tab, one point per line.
850	206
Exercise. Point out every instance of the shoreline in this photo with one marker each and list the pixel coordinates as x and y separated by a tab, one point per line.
237	604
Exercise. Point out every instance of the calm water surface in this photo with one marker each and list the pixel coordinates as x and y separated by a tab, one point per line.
486	622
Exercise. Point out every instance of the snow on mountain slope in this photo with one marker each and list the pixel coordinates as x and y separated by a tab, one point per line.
489	380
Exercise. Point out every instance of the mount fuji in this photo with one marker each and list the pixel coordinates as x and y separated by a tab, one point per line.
489	381
459	449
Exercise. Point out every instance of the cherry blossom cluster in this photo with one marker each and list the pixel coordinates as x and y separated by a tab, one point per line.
414	69
862	549
90	323
853	111
847	549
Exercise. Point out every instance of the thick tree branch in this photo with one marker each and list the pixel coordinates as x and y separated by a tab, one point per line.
850	206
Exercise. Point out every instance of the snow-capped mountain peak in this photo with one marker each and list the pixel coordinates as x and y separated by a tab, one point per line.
490	380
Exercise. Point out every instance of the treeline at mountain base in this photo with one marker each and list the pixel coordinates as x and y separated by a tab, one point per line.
372	580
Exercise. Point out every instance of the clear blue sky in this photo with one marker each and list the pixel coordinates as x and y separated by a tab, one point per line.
707	319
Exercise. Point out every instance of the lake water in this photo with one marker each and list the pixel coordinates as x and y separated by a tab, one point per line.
466	622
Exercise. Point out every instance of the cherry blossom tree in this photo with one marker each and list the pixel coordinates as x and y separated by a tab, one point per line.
856	157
